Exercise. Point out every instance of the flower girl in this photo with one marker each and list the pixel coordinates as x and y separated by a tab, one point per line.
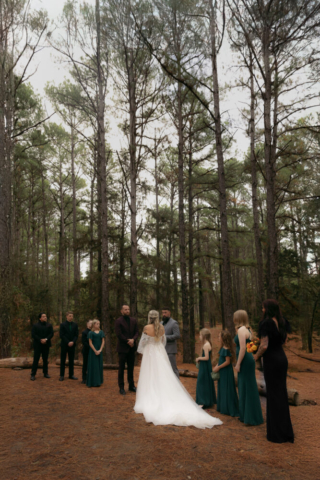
206	395
228	402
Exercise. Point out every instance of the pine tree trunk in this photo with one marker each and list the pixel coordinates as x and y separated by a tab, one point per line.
187	355
133	188
102	162
157	229
5	217
272	272
226	269
74	223
254	186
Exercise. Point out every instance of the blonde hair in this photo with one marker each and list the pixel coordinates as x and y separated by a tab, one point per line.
206	335
94	321
153	319
241	319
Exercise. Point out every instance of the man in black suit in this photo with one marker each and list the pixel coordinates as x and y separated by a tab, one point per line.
42	332
126	329
85	350
69	336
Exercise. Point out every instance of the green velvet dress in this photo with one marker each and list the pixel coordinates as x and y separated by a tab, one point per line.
227	402
249	399
95	362
206	394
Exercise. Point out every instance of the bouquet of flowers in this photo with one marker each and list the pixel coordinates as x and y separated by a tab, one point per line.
252	347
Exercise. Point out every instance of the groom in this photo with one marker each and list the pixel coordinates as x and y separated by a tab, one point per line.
171	328
126	329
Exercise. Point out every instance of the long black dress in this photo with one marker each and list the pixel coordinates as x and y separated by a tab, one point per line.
275	366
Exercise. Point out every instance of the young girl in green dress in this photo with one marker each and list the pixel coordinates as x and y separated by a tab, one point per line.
227	402
95	361
206	395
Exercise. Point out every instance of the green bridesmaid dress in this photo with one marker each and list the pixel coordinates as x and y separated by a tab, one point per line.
206	394
95	362
227	402
249	400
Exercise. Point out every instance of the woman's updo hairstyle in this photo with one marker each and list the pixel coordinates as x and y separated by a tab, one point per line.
153	319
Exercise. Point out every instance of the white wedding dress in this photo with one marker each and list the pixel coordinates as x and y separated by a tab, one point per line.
161	397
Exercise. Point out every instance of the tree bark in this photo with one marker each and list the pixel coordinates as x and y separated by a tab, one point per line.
76	276
272	271
133	187
254	186
187	355
191	256
102	162
226	270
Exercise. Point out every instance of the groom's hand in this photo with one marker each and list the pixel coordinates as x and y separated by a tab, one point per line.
131	342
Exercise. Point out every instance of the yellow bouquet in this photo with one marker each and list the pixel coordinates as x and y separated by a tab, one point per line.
252	347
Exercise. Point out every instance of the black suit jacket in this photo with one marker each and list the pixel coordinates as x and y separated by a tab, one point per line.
42	330
68	335
125	332
85	341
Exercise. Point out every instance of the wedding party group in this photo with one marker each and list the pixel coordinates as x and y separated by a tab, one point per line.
160	396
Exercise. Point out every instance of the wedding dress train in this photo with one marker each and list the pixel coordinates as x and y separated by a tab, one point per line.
161	397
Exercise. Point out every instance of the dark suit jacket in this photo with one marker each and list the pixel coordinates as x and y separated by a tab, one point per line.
68	335
125	333
41	330
85	341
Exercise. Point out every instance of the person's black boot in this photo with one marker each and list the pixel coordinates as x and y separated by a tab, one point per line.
46	375
132	389
73	378
122	391
61	379
32	378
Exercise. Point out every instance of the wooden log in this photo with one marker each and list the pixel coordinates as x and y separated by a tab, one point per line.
188	373
293	395
21	362
106	366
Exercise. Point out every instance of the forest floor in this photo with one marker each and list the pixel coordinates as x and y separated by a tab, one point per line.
54	430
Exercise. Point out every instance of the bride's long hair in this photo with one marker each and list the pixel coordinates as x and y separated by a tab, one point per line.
153	319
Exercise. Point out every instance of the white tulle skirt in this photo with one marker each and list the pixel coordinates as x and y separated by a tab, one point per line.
162	398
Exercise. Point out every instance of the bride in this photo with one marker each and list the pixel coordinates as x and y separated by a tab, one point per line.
161	397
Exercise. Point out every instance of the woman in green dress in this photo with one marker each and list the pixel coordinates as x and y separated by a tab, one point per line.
95	361
206	395
227	401
249	400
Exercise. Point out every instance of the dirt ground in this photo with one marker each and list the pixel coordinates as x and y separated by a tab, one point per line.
63	430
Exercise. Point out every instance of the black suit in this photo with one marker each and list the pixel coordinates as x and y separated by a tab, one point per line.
85	352
126	330
40	331
68	333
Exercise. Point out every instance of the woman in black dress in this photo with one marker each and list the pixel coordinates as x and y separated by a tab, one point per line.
273	333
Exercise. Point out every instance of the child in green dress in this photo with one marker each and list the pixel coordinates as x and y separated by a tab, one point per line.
228	402
206	395
95	361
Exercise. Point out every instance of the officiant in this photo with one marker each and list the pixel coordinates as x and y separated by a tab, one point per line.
172	331
126	329
69	337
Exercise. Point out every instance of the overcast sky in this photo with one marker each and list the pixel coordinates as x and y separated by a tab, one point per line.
49	70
